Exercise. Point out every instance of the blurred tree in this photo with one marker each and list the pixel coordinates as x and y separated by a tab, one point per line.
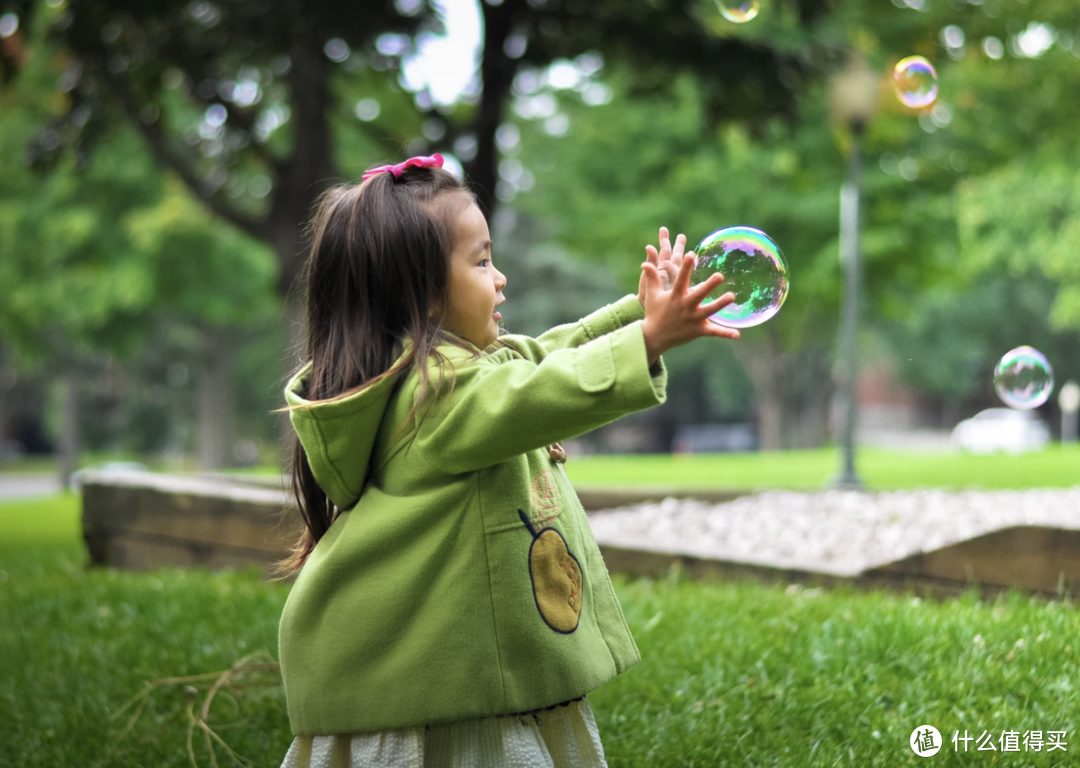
1003	131
1025	217
610	173
248	103
252	106
950	343
92	256
645	162
209	86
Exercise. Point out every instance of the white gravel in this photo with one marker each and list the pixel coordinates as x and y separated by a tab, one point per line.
841	532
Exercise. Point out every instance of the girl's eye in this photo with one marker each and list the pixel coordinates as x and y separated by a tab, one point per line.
484	262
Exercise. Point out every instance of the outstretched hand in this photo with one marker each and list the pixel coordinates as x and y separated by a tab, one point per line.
675	316
667	260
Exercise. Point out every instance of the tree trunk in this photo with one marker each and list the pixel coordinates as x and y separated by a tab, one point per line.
764	363
770	416
814	418
310	170
69	428
215	399
497	72
810	388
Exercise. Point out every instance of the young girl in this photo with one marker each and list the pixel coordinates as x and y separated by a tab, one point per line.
453	608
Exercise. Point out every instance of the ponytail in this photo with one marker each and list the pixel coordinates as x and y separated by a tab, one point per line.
316	509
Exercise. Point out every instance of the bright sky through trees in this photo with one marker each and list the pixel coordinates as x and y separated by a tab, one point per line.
446	63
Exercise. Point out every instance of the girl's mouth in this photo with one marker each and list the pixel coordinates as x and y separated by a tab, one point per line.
497	315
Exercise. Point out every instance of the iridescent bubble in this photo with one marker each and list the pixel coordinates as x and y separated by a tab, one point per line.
1023	379
915	81
739	11
754	270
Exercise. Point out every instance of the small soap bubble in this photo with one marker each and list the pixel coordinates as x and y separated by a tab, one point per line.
754	269
739	11
915	81
1023	379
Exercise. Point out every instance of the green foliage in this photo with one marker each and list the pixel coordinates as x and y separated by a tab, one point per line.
94	252
633	166
949	348
690	140
202	269
952	191
64	271
1024	218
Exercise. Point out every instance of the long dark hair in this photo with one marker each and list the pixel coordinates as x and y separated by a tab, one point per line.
379	261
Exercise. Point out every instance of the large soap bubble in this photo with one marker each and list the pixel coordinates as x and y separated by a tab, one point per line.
915	81
738	11
1024	379
754	270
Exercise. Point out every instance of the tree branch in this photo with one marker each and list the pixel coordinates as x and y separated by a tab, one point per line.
497	72
118	87
247	124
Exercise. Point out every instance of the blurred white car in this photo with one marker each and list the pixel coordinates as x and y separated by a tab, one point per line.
1001	429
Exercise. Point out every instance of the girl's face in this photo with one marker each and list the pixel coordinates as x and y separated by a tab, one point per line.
475	285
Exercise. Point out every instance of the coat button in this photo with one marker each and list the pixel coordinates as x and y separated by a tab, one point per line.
556	453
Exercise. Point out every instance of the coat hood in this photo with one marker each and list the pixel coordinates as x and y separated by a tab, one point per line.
339	449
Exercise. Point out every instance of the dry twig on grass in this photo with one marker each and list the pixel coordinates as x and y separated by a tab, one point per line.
261	665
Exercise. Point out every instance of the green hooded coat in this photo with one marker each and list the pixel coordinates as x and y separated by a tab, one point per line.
463	580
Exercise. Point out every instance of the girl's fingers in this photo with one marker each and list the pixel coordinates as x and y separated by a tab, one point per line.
665	243
652	255
721	332
682	280
680	245
715	306
707	286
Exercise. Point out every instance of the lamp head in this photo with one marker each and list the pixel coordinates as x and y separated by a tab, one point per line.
854	92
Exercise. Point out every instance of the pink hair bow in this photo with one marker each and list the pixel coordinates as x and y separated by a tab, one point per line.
422	161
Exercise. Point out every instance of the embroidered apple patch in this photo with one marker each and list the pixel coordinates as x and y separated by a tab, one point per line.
556	578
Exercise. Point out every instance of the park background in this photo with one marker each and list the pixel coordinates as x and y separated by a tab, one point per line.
158	165
158	160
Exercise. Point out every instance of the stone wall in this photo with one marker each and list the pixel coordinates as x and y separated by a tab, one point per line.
144	520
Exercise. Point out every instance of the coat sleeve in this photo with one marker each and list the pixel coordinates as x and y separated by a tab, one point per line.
599	323
500	410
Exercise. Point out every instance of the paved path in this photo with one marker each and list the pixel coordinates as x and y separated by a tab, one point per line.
15	486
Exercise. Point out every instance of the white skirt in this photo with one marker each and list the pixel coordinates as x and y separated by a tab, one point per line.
562	737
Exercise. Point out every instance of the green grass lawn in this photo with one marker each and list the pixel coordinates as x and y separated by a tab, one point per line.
46	464
1055	467
733	674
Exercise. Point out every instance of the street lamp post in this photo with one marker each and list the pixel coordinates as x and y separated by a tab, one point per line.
854	99
1069	401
